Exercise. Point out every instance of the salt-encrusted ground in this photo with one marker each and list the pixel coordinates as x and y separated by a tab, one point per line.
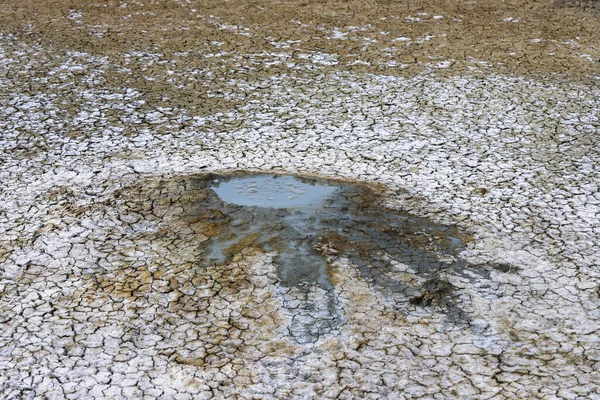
480	115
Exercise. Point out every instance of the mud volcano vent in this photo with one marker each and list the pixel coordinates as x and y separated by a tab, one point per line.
308	225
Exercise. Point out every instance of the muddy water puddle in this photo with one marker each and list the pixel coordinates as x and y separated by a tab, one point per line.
309	224
272	191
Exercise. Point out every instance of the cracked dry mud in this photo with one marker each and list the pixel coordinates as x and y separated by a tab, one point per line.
457	255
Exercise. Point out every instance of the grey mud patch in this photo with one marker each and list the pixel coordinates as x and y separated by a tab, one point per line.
309	225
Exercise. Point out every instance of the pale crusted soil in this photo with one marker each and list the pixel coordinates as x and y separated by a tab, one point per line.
480	115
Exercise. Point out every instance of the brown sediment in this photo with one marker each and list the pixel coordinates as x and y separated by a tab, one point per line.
243	245
477	29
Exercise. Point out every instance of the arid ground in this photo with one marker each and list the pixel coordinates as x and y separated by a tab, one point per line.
458	259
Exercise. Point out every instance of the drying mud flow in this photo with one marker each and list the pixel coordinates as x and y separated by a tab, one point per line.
259	199
307	225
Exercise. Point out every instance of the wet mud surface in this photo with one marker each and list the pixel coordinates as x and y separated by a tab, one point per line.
343	221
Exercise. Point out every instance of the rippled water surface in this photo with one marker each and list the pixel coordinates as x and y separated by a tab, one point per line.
272	191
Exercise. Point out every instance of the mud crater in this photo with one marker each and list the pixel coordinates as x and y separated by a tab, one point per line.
308	224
